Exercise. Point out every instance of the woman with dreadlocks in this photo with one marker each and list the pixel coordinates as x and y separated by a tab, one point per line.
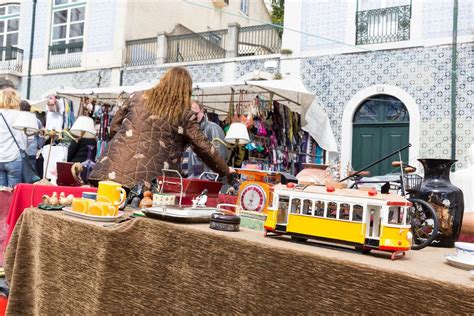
151	132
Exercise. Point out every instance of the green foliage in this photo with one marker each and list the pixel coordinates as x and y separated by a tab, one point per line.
278	13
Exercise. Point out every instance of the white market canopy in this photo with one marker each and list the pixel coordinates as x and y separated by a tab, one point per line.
216	96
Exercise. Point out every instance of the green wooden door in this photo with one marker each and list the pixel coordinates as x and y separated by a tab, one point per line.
380	126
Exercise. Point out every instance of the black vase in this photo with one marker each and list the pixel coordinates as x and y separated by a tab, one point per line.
446	199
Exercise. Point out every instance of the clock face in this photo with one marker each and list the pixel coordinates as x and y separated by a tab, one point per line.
253	198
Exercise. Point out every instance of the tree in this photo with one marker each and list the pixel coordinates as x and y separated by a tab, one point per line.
278	13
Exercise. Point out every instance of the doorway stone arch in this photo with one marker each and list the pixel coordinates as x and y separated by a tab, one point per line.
358	99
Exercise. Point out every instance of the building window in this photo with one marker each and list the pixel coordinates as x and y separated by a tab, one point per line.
381	22
68	22
67	33
9	25
244	6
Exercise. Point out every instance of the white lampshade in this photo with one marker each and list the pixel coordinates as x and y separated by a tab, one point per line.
27	122
83	127
237	133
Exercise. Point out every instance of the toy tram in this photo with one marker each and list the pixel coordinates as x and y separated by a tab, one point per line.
367	220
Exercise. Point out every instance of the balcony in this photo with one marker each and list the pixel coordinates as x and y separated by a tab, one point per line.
235	41
65	56
197	46
383	25
11	59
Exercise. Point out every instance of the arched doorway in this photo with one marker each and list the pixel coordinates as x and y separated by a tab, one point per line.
380	126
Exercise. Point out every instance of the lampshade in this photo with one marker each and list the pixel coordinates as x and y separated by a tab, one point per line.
83	127
237	133
27	122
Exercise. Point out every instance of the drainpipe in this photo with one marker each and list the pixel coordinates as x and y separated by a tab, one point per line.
454	76
32	38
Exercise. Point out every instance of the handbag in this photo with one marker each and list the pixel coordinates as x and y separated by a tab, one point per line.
28	171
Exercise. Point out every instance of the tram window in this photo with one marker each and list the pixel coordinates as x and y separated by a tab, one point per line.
357	212
344	209
295	206
331	210
283	203
395	215
319	208
307	207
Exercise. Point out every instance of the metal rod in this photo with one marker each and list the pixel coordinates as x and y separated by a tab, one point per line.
454	76
30	59
378	161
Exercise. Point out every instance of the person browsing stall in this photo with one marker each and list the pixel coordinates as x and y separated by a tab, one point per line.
151	131
191	162
10	158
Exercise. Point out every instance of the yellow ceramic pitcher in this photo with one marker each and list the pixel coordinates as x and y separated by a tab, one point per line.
111	192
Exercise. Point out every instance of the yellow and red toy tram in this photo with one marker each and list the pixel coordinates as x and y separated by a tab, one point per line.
366	219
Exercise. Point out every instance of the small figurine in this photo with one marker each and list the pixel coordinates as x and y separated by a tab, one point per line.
201	199
62	199
147	200
53	200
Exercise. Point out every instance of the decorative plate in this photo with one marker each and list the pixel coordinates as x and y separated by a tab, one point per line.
455	261
95	218
48	207
180	214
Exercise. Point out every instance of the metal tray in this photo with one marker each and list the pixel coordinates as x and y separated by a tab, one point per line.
178	214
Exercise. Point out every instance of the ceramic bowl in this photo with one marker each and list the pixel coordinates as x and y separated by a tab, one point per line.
465	251
89	195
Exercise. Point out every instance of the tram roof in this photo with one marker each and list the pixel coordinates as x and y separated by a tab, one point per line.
357	193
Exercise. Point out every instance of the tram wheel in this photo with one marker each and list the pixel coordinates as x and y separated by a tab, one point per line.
363	249
298	239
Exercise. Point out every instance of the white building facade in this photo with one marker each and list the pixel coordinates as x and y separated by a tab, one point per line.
382	69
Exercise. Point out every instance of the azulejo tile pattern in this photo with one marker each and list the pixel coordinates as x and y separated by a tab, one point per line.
199	73
100	25
247	66
424	73
326	19
85	79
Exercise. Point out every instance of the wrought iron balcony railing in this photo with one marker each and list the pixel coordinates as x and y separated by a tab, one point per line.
11	58
383	25
141	52
65	56
197	46
259	40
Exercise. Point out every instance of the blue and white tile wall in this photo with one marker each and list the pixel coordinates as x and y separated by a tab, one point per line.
86	79
100	25
323	19
248	66
424	73
209	72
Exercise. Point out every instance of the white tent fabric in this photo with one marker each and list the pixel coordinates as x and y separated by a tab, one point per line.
464	179
216	96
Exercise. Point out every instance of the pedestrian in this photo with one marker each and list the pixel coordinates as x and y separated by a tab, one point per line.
191	162
151	131
10	158
33	142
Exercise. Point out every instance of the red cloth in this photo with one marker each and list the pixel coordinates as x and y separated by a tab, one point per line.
29	195
5	200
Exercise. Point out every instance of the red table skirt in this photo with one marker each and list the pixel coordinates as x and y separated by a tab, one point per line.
29	195
5	200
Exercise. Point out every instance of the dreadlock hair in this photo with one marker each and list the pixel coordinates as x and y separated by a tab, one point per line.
171	97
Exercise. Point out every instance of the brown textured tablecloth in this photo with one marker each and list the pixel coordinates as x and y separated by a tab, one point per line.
57	264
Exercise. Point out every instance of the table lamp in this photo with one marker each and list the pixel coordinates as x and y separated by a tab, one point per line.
237	135
27	122
83	127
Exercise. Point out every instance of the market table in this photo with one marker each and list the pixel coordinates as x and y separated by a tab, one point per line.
28	195
57	264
